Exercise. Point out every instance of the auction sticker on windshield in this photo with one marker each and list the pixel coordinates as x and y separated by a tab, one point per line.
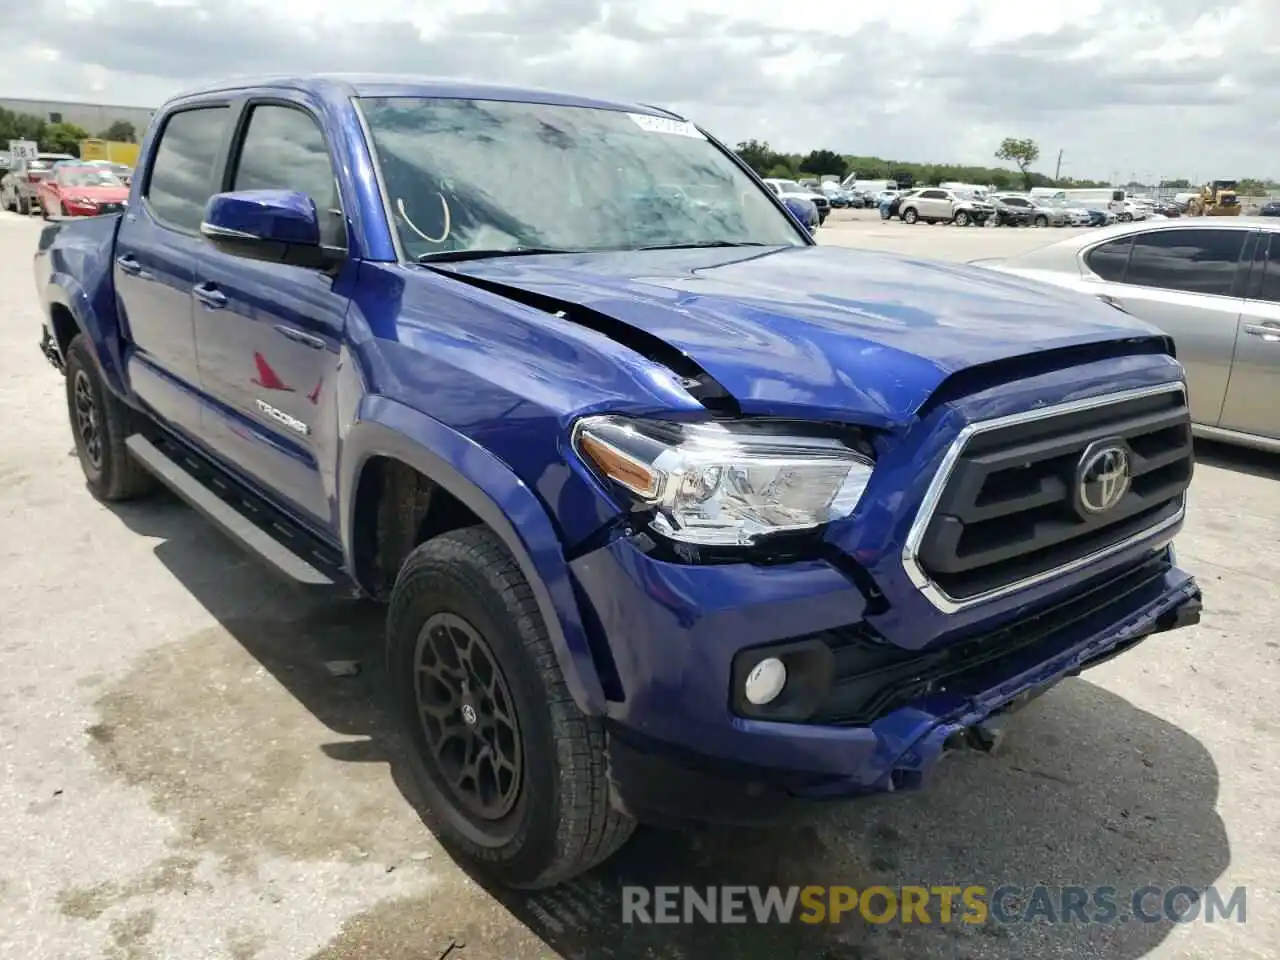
680	128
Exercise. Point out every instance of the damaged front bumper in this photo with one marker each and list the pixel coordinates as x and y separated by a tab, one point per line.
675	754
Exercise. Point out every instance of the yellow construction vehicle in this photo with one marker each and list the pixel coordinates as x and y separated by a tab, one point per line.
1216	199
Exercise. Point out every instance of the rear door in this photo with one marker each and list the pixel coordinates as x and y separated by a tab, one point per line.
1189	283
269	334
155	265
1253	394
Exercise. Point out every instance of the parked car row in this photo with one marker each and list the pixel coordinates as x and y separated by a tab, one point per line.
58	184
970	207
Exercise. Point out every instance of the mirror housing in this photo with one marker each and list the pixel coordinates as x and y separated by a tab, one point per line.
275	226
801	210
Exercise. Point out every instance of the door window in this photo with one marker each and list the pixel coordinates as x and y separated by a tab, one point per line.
1193	261
284	149
1110	260
932	195
1269	288
181	175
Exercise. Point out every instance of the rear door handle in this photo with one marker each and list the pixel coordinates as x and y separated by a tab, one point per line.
210	295
1269	332
300	336
129	265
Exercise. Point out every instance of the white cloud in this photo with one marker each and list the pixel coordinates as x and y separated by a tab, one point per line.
1168	87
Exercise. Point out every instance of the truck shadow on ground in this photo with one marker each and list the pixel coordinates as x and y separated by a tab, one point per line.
1088	791
1258	463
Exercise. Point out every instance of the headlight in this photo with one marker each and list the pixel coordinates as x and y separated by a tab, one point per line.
84	202
725	483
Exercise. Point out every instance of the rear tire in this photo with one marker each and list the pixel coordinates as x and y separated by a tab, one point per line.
476	684
24	206
100	424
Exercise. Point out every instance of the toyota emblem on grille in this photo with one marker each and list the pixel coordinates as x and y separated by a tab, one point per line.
1103	476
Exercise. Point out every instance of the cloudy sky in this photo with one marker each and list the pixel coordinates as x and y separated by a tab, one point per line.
1125	87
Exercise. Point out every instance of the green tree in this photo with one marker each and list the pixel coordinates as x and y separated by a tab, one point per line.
19	126
757	155
63	138
121	131
1021	152
823	162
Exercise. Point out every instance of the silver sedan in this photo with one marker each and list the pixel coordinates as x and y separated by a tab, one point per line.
1213	285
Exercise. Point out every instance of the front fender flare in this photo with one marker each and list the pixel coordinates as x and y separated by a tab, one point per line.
385	427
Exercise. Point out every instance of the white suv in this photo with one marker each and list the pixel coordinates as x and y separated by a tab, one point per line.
936	205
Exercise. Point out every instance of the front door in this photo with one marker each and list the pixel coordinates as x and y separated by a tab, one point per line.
1253	394
269	335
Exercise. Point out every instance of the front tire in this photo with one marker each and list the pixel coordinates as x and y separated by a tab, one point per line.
512	770
962	219
910	216
1041	221
100	424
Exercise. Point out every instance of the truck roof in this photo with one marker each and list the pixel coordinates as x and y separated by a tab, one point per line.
410	85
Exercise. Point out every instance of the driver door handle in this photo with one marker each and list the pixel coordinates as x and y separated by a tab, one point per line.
208	294
128	264
1269	331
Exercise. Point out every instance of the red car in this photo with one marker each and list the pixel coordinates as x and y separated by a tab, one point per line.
81	191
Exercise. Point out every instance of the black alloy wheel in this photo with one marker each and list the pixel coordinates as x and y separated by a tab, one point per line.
468	717
88	431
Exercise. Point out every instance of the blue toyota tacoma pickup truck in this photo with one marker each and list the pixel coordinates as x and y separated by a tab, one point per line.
677	514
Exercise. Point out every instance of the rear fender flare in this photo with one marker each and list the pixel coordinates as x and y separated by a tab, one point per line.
385	427
64	290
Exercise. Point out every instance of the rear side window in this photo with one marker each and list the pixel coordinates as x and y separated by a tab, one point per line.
181	181
1191	261
284	149
1110	260
1269	288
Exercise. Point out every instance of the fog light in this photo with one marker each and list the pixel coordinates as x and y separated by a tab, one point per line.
765	681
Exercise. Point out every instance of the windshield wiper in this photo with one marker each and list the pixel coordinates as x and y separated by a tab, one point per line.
447	256
708	243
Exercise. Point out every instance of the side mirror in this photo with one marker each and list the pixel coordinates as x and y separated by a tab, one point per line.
276	226
802	210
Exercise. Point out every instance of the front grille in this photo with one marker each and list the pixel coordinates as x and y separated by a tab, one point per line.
1008	506
871	678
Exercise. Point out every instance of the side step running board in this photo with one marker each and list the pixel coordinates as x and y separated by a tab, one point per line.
234	523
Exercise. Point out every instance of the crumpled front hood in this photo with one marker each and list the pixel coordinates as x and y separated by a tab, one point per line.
816	331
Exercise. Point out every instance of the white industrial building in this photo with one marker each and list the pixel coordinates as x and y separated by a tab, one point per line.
93	117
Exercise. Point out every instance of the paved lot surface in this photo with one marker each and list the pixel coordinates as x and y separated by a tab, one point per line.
182	777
